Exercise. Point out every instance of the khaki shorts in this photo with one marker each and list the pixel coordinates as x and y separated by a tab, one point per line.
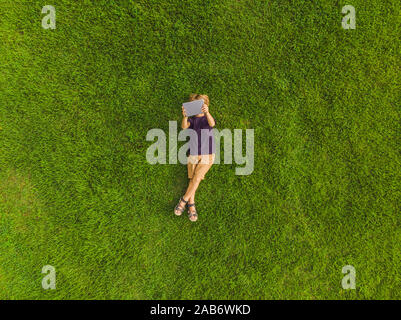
199	165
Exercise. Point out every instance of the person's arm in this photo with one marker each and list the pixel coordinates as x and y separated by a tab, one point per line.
185	123
210	120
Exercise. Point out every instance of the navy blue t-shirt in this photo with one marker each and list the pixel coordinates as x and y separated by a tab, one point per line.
206	144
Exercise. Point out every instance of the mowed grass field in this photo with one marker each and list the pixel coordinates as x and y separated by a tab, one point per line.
77	193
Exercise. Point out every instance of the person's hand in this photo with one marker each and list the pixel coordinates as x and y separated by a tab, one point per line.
205	108
184	114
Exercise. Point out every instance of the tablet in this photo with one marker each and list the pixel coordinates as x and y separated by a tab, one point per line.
193	108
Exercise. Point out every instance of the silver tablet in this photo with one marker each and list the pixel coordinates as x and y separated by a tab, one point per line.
193	108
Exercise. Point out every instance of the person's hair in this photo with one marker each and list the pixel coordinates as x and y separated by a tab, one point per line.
195	96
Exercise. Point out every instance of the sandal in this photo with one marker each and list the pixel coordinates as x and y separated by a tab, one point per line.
192	214
180	209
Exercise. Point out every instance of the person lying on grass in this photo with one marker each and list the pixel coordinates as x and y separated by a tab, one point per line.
201	154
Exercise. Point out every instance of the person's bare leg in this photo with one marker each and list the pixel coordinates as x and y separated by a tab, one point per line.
195	184
185	196
192	188
192	198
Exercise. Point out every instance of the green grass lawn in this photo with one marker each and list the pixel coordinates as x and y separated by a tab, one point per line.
77	193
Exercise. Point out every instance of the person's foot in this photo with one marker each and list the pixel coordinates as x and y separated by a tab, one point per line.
180	207
192	214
